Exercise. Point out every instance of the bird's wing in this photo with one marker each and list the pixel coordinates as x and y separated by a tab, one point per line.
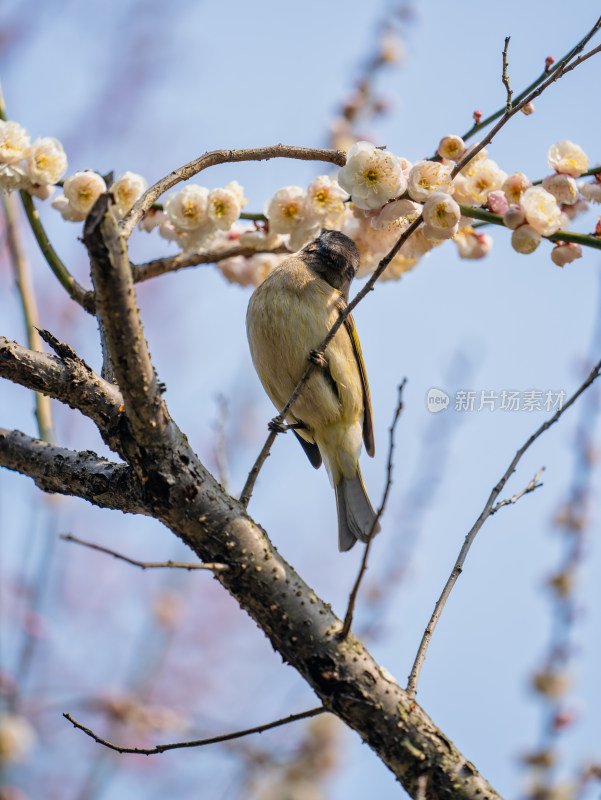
311	450
368	420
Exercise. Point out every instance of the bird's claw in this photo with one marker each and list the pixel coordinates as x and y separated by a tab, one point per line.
318	359
277	425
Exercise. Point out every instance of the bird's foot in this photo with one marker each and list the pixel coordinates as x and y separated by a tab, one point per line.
277	425
317	358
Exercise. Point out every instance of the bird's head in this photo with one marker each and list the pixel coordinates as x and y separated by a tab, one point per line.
334	257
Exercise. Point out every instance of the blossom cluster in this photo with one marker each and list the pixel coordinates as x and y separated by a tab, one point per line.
36	167
374	198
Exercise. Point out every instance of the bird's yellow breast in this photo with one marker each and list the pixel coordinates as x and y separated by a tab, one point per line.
289	315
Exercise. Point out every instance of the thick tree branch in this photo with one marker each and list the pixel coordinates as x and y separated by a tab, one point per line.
118	314
66	378
80	474
192	504
129	222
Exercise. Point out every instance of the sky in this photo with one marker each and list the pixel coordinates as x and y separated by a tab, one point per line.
145	87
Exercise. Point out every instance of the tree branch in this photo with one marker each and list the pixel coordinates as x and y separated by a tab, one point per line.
66	378
67	537
118	313
129	222
488	509
80	474
226	737
160	266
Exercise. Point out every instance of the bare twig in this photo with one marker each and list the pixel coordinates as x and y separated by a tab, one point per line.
348	617
505	76
67	537
527	91
129	222
161	748
534	484
469	539
560	70
31	315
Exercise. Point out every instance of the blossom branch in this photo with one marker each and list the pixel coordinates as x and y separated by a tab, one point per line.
488	509
546	72
68	537
69	472
558	72
226	737
348	617
586	240
129	222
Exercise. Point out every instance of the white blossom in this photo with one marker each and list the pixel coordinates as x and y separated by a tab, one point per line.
17	738
514	217
567	157
591	191
46	161
439	234
541	210
397	215
187	209
427	177
286	209
12	177
223	208
325	200
563	188
442	214
14	142
525	239
151	219
82	189
66	210
472	245
259	239
452	147
127	190
372	176
565	253
477	180
514	186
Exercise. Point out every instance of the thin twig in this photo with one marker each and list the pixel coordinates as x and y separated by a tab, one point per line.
221	440
348	617
546	72
534	484
68	537
469	539
151	195
31	314
505	76
161	748
527	97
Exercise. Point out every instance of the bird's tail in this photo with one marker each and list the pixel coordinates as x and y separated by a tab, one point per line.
355	513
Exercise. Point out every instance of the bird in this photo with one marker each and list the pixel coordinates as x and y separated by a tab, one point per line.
288	317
